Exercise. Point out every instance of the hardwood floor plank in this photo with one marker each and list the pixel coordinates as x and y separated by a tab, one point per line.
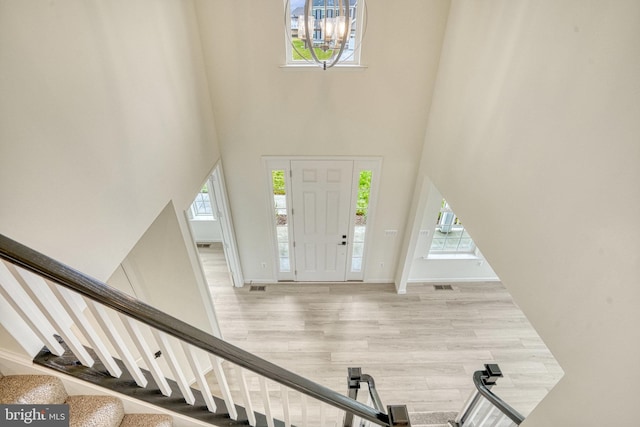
421	348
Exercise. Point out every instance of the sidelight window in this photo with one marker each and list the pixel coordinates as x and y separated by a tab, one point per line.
281	219
360	222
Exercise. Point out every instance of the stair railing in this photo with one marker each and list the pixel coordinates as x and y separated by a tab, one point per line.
484	408
53	299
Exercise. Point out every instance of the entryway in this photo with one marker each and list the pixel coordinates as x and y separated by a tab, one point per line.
321	210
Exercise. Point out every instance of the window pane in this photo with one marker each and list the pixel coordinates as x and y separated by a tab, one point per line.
450	235
320	29
281	217
201	206
364	191
358	248
283	249
360	221
466	245
282	232
437	244
362	208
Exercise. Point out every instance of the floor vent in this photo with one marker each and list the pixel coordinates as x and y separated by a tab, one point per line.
443	287
256	288
203	245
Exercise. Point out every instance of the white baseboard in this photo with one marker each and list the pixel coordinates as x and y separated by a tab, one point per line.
260	282
454	279
379	280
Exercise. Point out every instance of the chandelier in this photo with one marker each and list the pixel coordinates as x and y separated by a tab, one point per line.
327	28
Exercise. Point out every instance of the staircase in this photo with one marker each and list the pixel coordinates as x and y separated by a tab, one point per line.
81	327
84	411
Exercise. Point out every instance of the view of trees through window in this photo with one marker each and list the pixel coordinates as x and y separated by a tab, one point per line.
360	227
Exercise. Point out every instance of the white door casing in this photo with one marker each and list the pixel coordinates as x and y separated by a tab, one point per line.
220	205
321	199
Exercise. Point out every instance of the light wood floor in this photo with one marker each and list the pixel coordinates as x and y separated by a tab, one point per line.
421	348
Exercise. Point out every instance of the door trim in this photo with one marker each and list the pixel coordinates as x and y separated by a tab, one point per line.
223	213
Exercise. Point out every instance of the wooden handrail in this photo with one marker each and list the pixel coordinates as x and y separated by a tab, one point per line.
98	291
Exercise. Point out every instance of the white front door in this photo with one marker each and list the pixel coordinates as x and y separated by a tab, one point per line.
321	195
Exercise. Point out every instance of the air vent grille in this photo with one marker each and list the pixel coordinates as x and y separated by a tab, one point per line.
257	288
443	287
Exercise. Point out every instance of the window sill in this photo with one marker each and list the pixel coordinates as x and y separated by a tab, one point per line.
468	256
307	66
203	218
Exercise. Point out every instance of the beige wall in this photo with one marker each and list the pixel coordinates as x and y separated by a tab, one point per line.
533	138
159	272
105	117
264	109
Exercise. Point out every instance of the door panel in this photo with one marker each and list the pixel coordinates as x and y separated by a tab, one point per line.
321	193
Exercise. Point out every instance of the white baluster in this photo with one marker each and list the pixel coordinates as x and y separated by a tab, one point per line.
224	387
170	357
323	414
468	406
192	358
244	391
305	409
264	391
27	310
479	405
499	419
65	298
109	329
286	410
338	416
145	352
493	417
42	296
483	412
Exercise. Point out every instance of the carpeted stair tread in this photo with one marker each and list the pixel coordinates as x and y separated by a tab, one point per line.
146	420
32	389
432	419
95	411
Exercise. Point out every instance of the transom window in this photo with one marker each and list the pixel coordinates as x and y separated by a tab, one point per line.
323	17
450	235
